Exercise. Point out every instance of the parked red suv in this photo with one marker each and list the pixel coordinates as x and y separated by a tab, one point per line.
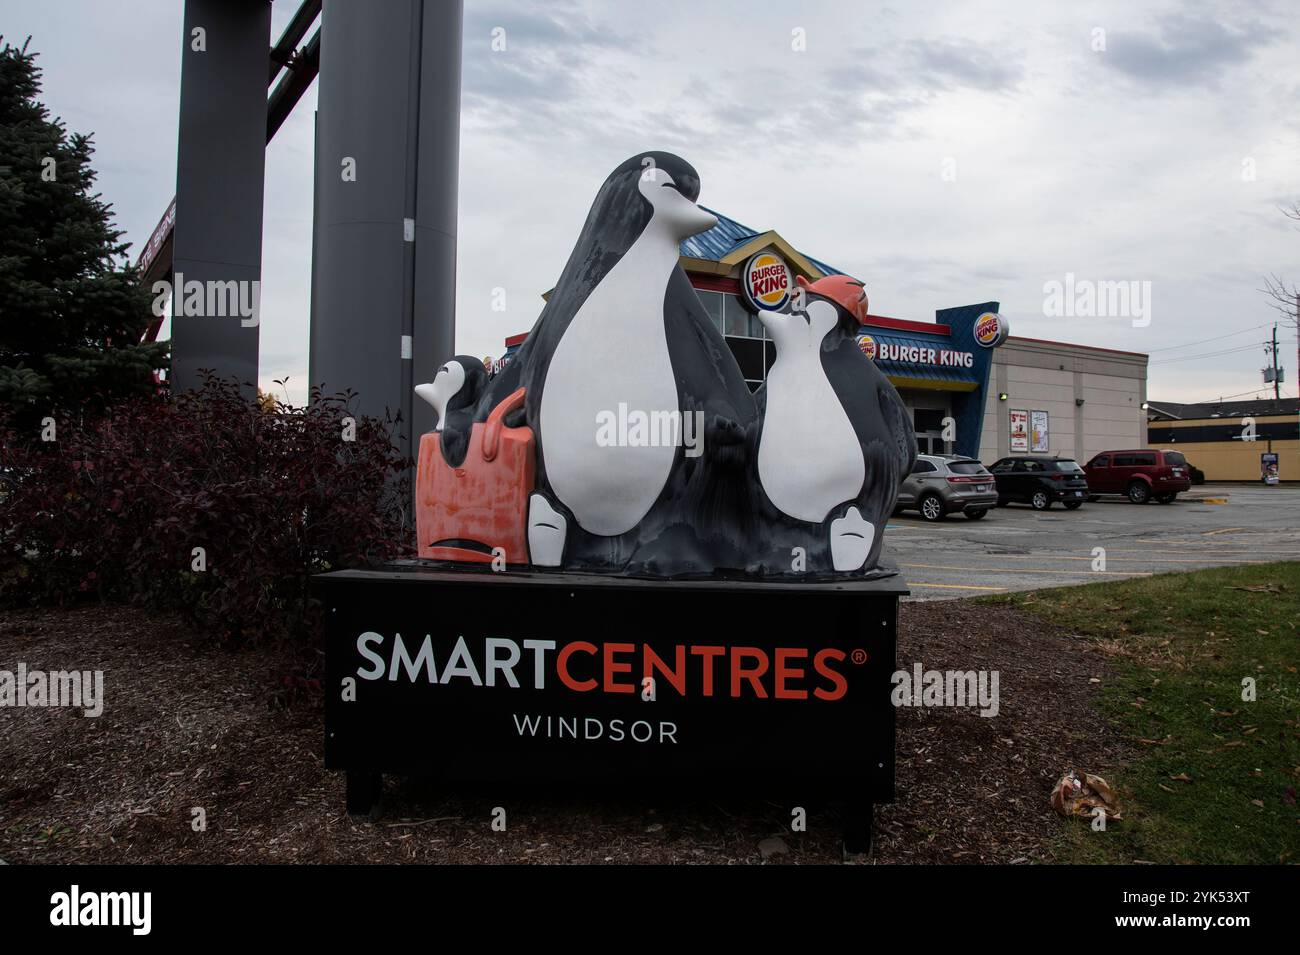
1142	475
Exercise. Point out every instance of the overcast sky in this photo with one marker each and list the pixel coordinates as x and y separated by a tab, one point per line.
944	153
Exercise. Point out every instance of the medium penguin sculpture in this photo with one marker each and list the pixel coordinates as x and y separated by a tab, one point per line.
454	393
472	480
642	416
835	440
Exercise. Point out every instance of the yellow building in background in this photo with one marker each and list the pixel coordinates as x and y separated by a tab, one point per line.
1226	440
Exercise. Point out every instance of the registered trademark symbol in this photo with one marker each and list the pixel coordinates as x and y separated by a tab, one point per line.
859	657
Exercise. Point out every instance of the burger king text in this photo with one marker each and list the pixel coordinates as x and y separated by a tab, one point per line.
918	355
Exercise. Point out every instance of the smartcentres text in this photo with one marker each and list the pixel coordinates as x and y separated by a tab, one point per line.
781	673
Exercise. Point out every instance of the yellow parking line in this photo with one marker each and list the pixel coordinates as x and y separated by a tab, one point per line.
1128	560
1200	548
1224	530
1197	543
926	526
1024	570
913	583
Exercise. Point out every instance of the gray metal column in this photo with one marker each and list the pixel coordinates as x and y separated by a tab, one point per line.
387	156
220	168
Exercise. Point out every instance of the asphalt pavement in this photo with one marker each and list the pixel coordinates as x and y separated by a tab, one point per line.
1018	548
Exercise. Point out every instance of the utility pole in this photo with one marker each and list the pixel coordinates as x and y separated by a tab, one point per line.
1277	394
1273	373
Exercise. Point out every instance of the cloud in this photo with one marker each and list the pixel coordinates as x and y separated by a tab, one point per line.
960	64
567	71
540	78
1183	51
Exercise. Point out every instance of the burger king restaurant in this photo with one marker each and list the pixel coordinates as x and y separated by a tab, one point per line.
969	386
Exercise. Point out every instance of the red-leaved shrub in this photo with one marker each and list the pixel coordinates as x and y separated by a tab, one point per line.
206	502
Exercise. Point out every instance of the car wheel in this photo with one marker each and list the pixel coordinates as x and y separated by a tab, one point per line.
1040	501
932	507
976	514
1139	493
1073	505
1165	498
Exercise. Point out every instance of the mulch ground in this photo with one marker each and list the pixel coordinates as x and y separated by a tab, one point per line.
190	725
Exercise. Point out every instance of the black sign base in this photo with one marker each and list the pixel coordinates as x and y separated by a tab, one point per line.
531	677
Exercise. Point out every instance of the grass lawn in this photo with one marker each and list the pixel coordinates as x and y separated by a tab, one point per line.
1213	777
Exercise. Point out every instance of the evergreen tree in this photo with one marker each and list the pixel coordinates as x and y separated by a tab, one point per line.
72	309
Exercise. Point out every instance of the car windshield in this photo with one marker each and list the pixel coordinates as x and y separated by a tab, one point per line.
1175	458
1070	466
965	467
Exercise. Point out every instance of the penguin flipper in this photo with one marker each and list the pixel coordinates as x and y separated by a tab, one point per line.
547	530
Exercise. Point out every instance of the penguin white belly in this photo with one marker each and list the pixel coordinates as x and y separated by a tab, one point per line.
614	352
809	458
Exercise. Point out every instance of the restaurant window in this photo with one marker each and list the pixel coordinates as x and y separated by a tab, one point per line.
739	321
749	356
713	306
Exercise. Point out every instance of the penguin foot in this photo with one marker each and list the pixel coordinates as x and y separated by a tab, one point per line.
851	538
547	529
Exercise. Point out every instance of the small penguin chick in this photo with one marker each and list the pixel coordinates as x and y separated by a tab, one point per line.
457	385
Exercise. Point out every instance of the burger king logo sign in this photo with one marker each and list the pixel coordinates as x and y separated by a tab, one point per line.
766	282
868	346
991	330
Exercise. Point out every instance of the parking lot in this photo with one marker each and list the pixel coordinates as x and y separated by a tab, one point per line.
1017	548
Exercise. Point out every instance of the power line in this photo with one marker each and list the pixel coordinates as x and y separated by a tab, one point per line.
1219	398
1214	339
1210	354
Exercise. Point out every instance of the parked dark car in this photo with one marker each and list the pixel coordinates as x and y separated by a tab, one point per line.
943	483
1143	475
1039	481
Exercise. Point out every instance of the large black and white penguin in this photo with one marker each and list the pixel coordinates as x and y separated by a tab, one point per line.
835	439
624	335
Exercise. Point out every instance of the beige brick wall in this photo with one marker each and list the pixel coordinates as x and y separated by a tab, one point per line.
1053	377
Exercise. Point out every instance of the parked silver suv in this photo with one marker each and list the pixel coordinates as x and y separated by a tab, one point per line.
942	483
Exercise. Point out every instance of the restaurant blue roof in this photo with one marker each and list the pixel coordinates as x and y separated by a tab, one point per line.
727	235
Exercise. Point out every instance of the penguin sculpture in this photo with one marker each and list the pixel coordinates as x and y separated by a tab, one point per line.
835	440
642	416
453	394
622	437
472	479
